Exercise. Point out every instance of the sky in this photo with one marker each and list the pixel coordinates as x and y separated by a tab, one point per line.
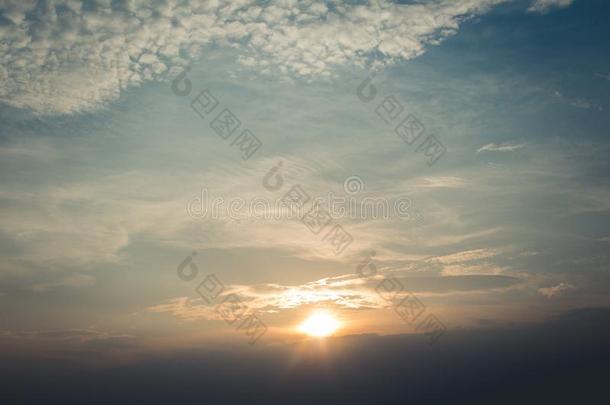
449	161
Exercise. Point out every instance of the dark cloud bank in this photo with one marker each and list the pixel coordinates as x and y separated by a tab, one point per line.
562	361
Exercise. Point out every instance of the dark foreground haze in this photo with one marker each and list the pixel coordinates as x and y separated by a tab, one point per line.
564	361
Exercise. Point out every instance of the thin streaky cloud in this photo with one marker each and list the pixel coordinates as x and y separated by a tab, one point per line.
544	6
505	147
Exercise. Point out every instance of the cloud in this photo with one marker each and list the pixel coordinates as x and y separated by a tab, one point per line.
440	182
505	147
461	269
579	102
467	256
603	76
448	238
347	292
70	335
74	281
67	56
544	6
555	291
186	309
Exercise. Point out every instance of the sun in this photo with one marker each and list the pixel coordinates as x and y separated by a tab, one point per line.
319	324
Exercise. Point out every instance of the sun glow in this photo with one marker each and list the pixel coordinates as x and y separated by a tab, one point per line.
319	324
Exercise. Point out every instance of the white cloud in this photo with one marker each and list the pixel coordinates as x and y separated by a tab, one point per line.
467	256
544	6
505	147
465	269
63	57
555	291
440	182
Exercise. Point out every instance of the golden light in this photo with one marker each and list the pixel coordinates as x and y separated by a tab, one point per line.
320	324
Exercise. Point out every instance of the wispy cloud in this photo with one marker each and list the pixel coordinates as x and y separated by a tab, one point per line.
82	335
504	147
470	269
557	290
73	281
544	6
467	256
579	102
186	309
603	76
440	182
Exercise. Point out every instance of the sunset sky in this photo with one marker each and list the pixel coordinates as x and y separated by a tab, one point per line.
115	138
